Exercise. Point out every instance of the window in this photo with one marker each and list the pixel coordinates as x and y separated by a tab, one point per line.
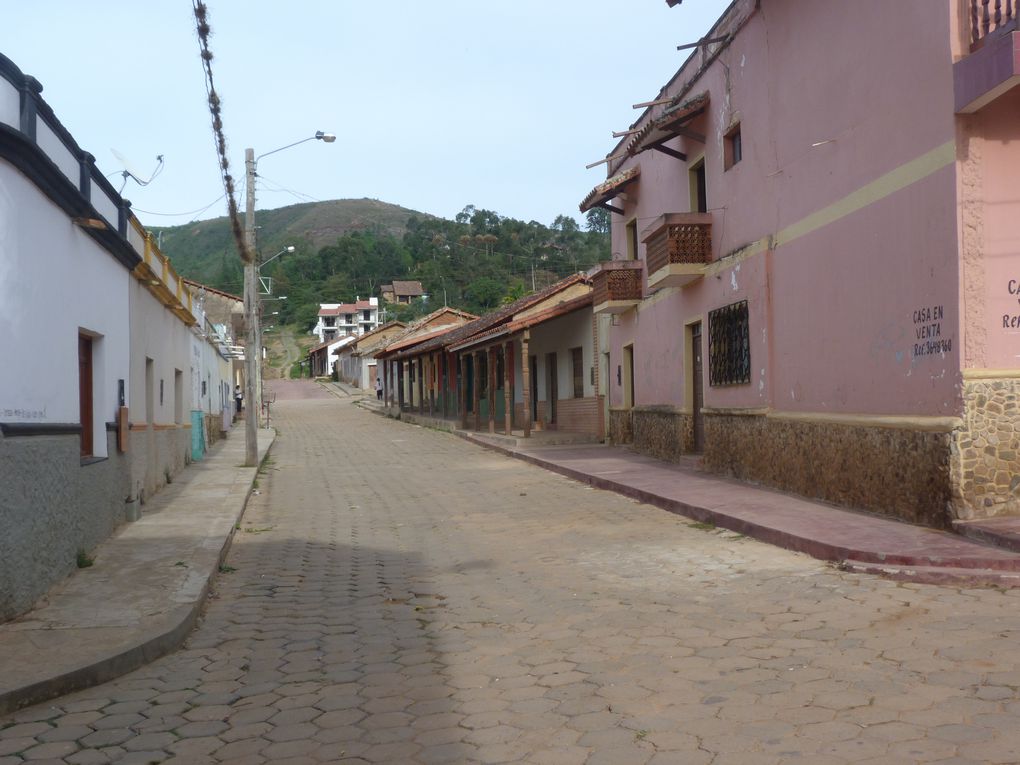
733	149
150	405
632	240
729	345
577	367
366	315
85	394
179	396
699	187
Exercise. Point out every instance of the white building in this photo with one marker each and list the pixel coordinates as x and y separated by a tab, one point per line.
346	319
95	404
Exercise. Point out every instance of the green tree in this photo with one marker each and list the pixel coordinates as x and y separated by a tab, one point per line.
597	220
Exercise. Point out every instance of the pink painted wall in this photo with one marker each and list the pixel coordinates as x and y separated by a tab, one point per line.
990	159
832	98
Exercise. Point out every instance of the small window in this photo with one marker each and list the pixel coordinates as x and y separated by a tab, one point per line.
577	366
699	187
733	149
179	396
729	345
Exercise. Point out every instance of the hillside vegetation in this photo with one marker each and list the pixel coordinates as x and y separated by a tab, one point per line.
349	248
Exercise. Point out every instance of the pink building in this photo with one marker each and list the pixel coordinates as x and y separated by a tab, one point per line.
816	256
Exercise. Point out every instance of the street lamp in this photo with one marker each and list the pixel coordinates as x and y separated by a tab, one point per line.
251	267
267	283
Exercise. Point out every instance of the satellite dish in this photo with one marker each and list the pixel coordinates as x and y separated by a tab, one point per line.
129	170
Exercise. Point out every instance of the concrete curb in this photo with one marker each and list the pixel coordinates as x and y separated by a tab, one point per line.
50	651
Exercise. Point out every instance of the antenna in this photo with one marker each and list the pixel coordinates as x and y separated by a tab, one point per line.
130	172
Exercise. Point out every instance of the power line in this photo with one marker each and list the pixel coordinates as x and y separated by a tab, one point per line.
199	211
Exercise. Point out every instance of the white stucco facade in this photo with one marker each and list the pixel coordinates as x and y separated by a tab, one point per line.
56	282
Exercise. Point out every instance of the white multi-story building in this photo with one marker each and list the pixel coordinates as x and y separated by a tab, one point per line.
346	319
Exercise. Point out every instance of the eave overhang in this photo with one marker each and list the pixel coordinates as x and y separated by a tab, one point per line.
672	123
601	194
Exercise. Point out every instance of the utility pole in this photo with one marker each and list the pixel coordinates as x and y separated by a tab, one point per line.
251	314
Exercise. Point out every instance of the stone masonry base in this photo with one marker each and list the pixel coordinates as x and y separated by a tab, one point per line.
663	432
899	472
986	468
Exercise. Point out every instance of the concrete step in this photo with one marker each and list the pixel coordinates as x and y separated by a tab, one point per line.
943	575
1001	532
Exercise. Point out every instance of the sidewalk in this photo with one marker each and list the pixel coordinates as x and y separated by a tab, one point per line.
143	594
857	541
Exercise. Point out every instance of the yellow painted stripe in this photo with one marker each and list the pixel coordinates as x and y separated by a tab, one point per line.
990	374
894	421
895	180
880	188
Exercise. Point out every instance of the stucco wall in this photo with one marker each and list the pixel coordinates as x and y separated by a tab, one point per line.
51	507
838	225
558	336
54	282
988	155
160	438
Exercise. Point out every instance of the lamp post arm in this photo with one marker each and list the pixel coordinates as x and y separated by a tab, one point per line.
260	156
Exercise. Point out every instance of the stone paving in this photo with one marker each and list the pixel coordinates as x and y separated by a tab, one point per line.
397	595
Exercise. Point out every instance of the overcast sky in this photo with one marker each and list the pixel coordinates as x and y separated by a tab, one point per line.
436	105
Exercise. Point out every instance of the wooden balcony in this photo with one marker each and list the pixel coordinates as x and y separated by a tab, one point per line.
678	246
990	19
616	286
993	66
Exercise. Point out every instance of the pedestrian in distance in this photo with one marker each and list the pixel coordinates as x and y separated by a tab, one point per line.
238	399
378	387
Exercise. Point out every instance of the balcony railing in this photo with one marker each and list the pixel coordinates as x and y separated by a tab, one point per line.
616	286
991	17
677	247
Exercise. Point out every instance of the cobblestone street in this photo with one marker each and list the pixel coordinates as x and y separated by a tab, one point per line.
398	595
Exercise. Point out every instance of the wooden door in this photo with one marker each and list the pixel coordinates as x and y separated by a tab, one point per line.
85	393
697	372
554	388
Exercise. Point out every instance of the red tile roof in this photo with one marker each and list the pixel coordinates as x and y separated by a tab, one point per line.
497	317
547	314
361	305
410	289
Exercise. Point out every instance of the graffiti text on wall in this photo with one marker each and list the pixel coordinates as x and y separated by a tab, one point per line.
1012	321
928	332
23	414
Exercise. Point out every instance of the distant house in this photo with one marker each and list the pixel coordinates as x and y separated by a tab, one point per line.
346	319
402	292
356	363
322	358
530	363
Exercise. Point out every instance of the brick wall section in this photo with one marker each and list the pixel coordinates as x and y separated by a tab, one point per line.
578	415
893	471
663	432
986	468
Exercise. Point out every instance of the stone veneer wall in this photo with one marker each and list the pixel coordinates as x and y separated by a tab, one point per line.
621	426
894	471
157	454
52	507
663	432
986	471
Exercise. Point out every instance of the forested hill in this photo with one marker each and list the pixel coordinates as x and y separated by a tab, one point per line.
349	248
